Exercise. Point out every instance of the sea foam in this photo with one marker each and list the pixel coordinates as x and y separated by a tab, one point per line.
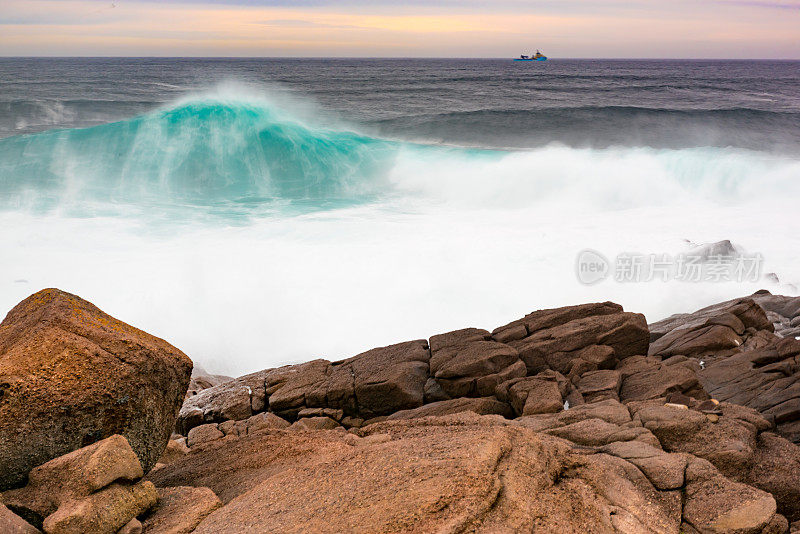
252	235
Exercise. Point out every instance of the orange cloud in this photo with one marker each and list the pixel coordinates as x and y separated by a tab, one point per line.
80	27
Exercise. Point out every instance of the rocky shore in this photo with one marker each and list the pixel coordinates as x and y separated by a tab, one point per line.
577	419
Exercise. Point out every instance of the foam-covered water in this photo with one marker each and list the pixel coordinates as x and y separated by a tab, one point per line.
263	221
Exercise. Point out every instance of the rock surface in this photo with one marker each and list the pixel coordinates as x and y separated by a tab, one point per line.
71	375
11	523
180	510
577	419
740	357
94	489
630	413
75	476
457	472
470	472
463	363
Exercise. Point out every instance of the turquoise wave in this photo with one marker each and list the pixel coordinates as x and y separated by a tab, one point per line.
202	152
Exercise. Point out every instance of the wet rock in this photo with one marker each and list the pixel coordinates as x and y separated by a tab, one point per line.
72	375
375	383
288	388
235	399
729	444
766	379
785	310
719	249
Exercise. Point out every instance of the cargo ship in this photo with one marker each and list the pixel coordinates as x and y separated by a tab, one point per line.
538	56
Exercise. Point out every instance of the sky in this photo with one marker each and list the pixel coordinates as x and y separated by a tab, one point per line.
768	29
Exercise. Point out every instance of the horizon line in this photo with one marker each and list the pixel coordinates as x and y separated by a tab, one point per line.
550	58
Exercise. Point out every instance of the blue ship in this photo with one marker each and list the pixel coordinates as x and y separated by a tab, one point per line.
538	56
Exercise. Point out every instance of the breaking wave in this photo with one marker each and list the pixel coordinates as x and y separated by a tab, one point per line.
249	154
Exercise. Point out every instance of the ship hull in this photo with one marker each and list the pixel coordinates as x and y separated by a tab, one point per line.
536	59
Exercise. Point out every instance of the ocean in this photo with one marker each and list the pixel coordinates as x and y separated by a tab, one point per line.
257	212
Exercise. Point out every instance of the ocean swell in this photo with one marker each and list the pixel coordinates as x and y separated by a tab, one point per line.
239	155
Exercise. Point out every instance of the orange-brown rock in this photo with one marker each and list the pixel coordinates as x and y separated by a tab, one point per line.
11	523
71	375
480	406
180	510
73	477
461	472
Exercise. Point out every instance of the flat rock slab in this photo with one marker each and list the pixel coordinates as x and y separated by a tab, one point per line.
461	472
480	406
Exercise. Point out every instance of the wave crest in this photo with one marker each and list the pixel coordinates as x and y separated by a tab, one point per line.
201	151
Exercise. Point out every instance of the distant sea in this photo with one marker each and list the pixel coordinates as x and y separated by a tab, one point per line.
256	212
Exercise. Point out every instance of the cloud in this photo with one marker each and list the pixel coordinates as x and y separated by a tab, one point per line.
788	4
299	23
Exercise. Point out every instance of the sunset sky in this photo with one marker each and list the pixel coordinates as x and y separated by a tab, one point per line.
502	28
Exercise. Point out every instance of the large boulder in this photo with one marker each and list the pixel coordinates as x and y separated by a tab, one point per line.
104	512
71	375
